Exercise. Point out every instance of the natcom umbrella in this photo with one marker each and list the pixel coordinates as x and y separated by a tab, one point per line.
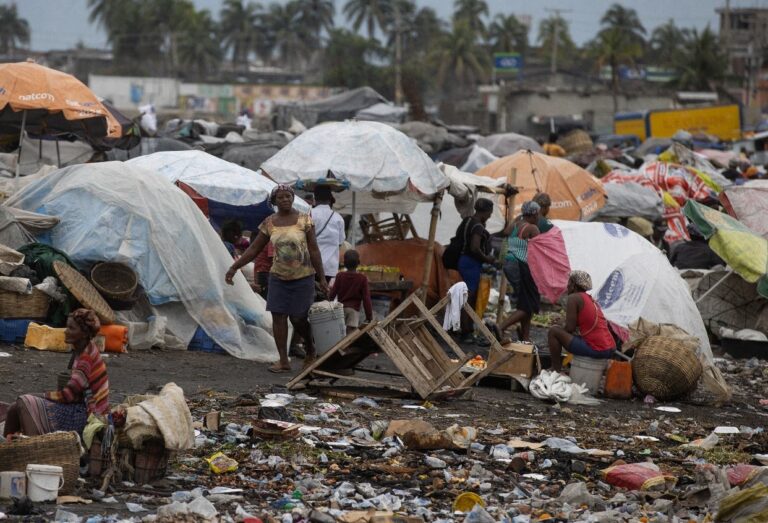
368	157
742	248
575	193
49	102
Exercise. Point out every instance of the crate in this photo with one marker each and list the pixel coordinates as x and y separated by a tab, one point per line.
522	364
381	276
201	342
13	330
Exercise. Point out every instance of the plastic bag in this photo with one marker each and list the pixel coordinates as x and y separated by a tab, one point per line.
220	463
638	476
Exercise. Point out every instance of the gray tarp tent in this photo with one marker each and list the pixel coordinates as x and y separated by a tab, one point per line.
333	109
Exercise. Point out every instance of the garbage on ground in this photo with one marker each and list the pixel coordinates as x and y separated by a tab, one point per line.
638	476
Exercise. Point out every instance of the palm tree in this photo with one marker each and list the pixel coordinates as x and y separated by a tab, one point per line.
15	30
666	43
462	62
626	20
701	63
315	15
282	24
556	27
370	12
238	27
507	33
471	11
198	44
619	42
424	30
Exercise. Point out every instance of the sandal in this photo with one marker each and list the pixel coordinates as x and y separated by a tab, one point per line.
279	369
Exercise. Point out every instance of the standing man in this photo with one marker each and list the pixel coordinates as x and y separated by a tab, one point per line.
329	229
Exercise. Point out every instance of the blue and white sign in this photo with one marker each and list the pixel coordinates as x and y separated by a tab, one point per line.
507	62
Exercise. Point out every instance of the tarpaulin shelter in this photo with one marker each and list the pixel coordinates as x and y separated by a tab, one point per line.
748	203
335	108
228	190
576	194
46	102
505	144
383	112
432	138
148	145
743	249
628	199
119	212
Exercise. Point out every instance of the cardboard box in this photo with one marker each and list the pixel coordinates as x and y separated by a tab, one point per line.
522	364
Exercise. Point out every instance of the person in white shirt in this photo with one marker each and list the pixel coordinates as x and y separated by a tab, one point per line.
329	230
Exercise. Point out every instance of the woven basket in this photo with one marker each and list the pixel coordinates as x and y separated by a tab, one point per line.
28	306
665	368
576	142
115	281
58	448
84	292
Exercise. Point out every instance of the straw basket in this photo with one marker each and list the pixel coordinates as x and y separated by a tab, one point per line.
84	292
576	142
59	448
115	281
28	306
665	368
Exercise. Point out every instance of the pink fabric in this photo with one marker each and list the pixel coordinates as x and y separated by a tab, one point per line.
548	261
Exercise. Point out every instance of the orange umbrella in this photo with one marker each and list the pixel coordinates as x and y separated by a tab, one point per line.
575	193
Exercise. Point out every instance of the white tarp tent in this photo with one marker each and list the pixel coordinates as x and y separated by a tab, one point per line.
119	212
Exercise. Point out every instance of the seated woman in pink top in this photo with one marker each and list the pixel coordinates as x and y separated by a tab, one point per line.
586	331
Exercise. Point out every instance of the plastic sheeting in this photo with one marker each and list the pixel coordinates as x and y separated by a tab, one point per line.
631	199
477	159
369	156
631	278
383	112
749	204
119	212
508	143
212	177
334	108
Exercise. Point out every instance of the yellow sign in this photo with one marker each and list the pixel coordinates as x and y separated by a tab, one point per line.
723	121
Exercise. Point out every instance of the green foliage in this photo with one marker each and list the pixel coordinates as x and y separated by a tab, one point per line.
462	64
507	34
667	42
15	30
347	60
471	13
548	29
372	13
239	23
700	64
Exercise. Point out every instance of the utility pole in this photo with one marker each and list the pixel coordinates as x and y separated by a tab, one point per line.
556	36
398	57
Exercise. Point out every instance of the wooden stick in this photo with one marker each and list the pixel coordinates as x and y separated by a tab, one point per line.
508	215
430	245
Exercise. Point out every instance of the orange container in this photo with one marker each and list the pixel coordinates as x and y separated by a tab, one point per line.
115	337
618	380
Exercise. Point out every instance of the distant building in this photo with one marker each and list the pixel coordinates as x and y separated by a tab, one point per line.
744	33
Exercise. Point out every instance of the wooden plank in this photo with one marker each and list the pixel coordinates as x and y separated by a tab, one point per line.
439	328
398	311
401	361
441	359
368	381
451	373
348	340
481	325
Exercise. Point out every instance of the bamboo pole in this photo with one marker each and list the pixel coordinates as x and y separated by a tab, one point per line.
509	215
430	246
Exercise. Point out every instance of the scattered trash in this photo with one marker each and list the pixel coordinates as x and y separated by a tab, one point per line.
220	463
466	501
727	430
638	476
668	409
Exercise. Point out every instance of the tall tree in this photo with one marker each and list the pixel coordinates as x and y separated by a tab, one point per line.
198	44
282	23
666	43
238	24
462	62
701	65
619	42
472	13
347	60
315	16
371	12
15	30
507	33
555	30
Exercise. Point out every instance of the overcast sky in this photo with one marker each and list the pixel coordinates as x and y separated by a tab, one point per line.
59	24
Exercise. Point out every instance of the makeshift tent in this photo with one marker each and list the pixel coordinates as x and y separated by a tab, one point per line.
477	159
148	146
748	203
631	278
628	199
119	212
432	138
575	193
36	152
335	108
508	143
735	302
383	112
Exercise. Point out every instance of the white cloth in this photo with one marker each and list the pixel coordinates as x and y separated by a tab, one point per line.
329	237
452	319
244	121
551	385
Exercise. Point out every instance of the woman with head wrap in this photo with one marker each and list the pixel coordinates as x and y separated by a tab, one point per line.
87	391
295	267
586	331
519	274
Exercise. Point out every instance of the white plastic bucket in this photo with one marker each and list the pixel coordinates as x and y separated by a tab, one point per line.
13	484
328	328
44	482
588	371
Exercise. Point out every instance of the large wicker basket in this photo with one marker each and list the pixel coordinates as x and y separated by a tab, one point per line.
114	281
28	306
666	368
59	448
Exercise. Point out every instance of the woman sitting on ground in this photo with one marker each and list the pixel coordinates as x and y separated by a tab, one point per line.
582	313
87	391
295	267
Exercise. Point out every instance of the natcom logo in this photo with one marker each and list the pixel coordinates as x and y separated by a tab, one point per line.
36	96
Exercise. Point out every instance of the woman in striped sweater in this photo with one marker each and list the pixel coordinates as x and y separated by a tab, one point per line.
86	393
